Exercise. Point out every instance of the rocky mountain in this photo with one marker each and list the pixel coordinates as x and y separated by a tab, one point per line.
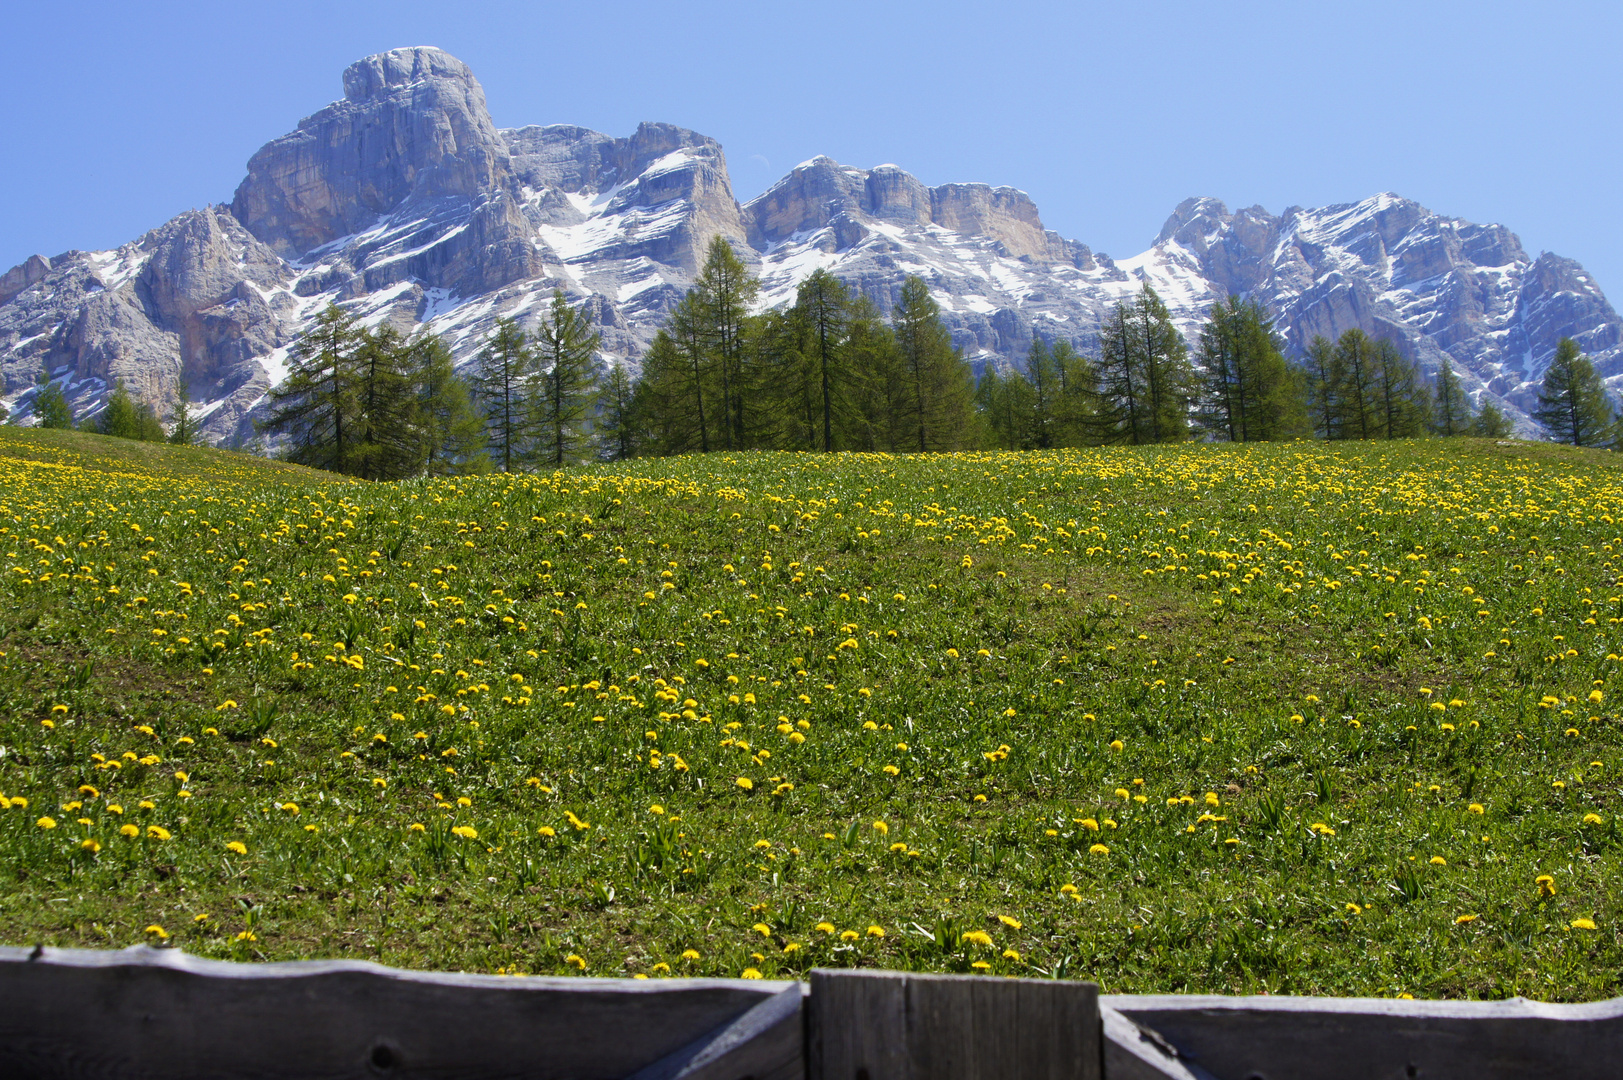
405	203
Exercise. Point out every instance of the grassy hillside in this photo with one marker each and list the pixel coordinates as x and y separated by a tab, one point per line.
1309	718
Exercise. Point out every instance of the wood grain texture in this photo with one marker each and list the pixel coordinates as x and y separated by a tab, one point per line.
875	1025
1132	1052
1271	1038
158	1013
767	1043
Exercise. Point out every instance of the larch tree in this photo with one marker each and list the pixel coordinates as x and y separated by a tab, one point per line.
183	430
616	422
51	408
723	293
317	405
1353	384
1145	380
389	442
939	395
1403	401
1043	375
1248	392
823	300
501	374
1573	405
1319	375
565	386
1451	409
452	433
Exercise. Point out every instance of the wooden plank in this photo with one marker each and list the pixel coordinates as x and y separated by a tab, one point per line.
876	1025
856	1027
767	1043
158	1013
1132	1052
1269	1038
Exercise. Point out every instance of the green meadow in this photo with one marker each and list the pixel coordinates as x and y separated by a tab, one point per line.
1303	718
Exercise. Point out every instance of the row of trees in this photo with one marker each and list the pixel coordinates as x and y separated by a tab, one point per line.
827	373
833	372
371	403
1143	388
122	416
374	404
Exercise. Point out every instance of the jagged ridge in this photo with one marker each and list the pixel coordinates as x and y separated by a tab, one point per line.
404	201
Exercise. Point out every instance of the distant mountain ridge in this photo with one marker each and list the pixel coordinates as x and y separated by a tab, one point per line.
404	202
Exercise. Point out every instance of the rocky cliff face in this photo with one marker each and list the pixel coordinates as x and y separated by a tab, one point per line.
1438	286
403	202
194	302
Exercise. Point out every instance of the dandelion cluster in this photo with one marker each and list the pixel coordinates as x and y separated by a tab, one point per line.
1302	718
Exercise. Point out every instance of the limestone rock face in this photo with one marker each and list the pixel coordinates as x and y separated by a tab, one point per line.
405	204
661	194
1438	286
186	304
999	276
412	126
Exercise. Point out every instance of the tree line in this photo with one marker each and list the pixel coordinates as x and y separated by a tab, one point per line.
121	416
833	372
830	372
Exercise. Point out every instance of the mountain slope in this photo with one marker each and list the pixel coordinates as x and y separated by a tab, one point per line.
405	203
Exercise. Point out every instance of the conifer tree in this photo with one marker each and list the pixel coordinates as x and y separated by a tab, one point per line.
1248	391
1354	385
786	351
668	401
501	374
1043	376
872	395
1145	381
1323	401
316	406
565	386
183	429
1119	412
390	441
1402	398
1168	379
723	293
1079	387
938	395
51	408
118	417
823	300
1451	413
616	424
1573	405
1006	402
452	435
1491	423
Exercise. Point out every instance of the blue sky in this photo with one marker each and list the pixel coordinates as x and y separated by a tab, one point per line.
121	115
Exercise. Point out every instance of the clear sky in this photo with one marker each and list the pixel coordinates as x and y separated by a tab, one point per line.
119	116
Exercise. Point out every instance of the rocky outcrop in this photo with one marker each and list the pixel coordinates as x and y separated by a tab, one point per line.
1438	286
412	127
661	194
823	194
193	302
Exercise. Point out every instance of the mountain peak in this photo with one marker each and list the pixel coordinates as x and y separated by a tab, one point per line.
1192	209
375	75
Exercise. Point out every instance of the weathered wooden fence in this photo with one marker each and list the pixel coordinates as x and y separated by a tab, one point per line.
158	1013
